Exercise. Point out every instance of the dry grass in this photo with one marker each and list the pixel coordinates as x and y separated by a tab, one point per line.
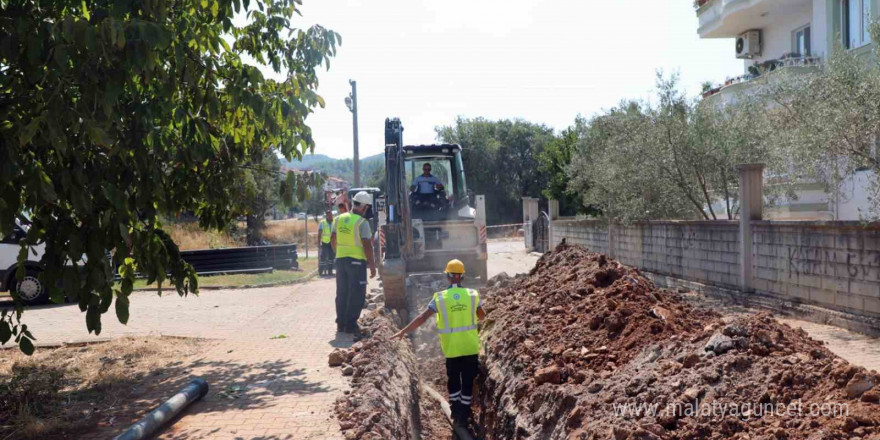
190	236
63	392
289	231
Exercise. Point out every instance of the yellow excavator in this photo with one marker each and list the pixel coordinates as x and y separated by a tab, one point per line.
430	223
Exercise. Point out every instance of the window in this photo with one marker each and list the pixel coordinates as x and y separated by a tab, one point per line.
440	168
855	18
800	41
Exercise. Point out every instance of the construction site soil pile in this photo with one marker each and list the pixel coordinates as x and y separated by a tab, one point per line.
384	397
585	347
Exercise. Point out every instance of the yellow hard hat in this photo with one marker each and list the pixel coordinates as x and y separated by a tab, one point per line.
454	266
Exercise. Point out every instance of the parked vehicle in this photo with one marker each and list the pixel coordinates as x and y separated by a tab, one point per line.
29	288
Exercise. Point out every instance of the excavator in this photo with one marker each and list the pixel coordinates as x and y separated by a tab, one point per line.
422	231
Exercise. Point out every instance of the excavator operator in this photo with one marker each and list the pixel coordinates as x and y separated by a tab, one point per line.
428	196
426	183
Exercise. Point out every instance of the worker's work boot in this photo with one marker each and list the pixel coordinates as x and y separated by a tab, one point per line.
356	333
459	414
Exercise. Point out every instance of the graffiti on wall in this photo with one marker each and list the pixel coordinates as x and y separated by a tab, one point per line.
822	262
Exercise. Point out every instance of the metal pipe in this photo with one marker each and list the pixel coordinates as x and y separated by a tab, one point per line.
149	425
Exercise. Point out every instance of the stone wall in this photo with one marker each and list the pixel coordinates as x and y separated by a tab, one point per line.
835	265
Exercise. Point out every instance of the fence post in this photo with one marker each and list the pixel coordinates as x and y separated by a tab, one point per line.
751	202
530	215
553	211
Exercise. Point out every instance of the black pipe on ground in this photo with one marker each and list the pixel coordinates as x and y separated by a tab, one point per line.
149	425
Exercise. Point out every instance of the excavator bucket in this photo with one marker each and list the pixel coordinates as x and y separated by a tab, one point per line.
394	283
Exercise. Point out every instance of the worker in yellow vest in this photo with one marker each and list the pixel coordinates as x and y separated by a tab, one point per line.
457	312
351	239
325	248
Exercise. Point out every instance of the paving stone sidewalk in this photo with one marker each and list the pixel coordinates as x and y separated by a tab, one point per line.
268	369
856	348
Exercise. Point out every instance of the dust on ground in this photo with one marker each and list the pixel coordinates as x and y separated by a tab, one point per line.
585	347
68	391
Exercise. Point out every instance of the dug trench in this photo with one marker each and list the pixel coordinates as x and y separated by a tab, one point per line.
587	348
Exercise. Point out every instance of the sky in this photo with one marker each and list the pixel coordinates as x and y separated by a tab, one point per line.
545	61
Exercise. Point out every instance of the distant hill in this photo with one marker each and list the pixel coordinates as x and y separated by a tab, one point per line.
342	168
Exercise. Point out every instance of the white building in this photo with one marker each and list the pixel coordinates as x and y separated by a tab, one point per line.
773	36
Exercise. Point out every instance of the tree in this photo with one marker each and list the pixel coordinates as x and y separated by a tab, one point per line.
673	159
554	162
115	112
828	121
500	160
260	191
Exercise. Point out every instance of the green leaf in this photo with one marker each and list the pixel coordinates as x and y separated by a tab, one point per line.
56	294
122	305
47	188
29	131
5	332
26	346
215	8
85	11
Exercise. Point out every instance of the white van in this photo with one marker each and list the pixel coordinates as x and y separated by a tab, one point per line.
30	289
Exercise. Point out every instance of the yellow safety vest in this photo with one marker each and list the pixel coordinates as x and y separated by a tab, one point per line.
326	231
348	236
457	321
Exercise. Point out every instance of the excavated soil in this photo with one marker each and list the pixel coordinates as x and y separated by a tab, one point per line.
585	347
384	395
386	401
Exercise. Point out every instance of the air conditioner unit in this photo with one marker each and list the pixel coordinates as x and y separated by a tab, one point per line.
748	44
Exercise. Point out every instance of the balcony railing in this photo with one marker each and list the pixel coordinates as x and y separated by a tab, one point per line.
759	70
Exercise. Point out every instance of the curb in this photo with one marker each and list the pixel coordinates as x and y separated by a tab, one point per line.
307	277
85	342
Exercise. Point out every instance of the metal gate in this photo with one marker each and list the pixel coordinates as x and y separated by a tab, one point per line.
541	233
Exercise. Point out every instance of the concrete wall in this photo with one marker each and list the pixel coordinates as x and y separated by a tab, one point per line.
590	233
697	250
835	265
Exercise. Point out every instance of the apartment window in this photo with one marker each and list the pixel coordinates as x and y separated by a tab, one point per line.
800	41
855	22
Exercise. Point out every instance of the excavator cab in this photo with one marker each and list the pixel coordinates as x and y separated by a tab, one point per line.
442	195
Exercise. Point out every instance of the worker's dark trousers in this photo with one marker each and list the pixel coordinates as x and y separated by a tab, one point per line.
461	372
327	259
351	291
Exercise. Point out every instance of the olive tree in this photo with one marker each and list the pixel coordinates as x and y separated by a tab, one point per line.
828	120
670	159
113	113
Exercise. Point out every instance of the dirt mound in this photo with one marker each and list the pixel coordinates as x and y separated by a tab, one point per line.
585	347
384	384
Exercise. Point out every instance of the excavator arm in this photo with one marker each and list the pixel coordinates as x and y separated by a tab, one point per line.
397	228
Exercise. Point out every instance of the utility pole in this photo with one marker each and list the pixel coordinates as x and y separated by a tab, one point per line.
351	102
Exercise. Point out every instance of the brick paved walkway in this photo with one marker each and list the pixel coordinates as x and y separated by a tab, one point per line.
261	388
856	348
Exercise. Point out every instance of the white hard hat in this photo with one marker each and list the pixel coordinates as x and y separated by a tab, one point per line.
363	198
